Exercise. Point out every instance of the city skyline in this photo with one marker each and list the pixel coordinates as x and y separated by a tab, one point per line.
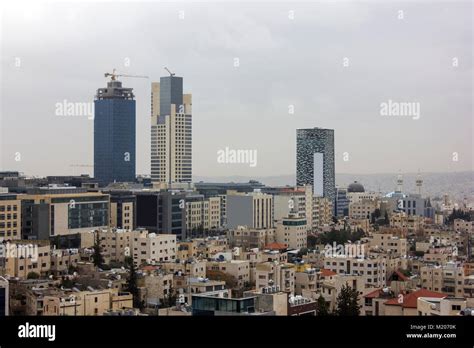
232	100
185	159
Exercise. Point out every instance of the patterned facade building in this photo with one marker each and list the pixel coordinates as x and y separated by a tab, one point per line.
315	161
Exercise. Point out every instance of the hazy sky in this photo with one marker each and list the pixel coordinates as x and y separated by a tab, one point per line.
59	51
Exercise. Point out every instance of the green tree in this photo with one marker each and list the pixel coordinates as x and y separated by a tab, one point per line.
67	283
97	257
169	300
301	252
312	241
132	286
32	275
347	302
322	307
386	219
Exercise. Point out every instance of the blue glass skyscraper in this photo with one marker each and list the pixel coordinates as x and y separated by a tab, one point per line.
114	134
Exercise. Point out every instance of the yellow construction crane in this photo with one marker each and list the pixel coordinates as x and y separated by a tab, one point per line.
168	70
113	75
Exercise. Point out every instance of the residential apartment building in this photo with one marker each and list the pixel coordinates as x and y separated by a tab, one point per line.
372	268
249	238
10	216
280	275
448	279
322	210
21	257
143	246
393	245
53	301
194	268
463	226
63	259
435	306
292	231
362	209
152	248
239	269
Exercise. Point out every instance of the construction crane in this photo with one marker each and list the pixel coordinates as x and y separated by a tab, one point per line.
113	75
168	70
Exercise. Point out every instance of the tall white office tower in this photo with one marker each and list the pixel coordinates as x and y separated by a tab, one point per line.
171	132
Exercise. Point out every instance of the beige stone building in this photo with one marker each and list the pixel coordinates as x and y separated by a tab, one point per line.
52	301
406	304
203	213
158	285
121	212
407	223
195	268
24	256
330	287
321	212
435	306
270	300
362	209
239	269
306	280
117	244
292	231
249	238
373	269
463	226
186	250
448	279
10	217
143	246
280	275
152	248
63	259
393	245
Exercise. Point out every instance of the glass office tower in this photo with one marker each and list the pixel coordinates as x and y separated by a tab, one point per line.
114	134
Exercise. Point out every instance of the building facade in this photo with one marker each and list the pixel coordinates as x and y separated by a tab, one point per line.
49	213
171	131
161	212
114	134
254	210
10	217
315	161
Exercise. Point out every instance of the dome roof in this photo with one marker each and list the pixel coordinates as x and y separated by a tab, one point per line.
355	187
